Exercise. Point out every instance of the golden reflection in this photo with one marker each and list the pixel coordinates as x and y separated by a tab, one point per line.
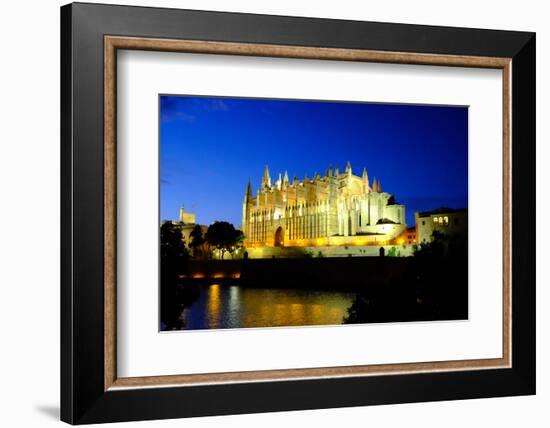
214	305
316	311
272	308
224	305
297	312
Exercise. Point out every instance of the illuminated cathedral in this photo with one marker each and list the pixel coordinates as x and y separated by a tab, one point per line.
335	209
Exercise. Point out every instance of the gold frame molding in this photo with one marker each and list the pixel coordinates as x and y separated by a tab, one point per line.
113	43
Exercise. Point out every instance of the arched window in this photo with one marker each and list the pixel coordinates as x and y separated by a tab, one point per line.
446	219
435	220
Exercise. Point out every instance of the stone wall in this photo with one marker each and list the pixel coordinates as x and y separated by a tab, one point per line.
327	251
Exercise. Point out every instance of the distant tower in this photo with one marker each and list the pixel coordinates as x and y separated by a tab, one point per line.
187	218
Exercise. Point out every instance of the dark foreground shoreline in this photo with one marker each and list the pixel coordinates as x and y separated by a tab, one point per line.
386	289
350	273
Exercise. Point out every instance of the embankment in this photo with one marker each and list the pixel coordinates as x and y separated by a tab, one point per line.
334	272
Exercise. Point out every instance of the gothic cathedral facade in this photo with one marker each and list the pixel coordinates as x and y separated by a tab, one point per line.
333	209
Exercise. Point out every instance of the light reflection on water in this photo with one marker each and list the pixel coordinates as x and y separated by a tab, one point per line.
233	306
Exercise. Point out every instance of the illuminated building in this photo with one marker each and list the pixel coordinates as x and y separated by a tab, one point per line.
187	222
407	237
335	209
187	217
450	222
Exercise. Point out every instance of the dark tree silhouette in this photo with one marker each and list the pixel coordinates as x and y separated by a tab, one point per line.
197	241
173	260
172	246
239	239
434	286
224	237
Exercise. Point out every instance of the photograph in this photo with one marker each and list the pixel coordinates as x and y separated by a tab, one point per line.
289	213
261	212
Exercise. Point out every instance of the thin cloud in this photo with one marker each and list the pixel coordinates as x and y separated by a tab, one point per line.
179	116
216	105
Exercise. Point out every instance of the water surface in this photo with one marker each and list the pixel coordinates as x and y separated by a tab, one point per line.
233	306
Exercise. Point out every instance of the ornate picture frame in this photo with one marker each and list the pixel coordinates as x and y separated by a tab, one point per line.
91	389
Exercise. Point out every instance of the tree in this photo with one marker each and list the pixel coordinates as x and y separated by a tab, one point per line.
172	245
197	241
224	237
239	239
394	252
433	249
173	259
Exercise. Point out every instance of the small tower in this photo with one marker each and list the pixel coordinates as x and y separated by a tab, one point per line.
266	179
285	178
279	182
186	217
348	168
365	178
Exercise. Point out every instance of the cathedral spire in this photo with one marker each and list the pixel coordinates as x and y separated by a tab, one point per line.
330	170
336	172
248	196
279	182
376	186
365	180
285	179
266	180
348	168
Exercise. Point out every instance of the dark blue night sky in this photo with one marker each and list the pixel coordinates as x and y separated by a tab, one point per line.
210	147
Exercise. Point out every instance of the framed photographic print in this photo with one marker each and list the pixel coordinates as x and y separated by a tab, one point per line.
264	213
